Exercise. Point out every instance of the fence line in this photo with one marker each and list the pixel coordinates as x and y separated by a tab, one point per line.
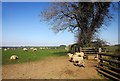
109	65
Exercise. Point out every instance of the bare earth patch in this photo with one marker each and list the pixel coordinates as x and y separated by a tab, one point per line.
50	68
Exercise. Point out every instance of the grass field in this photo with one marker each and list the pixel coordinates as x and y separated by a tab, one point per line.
111	49
28	56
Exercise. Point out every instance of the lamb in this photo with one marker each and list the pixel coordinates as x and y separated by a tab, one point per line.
13	57
25	49
70	56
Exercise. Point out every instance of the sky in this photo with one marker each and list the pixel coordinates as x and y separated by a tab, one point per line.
21	26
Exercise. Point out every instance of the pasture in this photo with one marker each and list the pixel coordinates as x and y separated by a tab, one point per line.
45	64
112	49
29	56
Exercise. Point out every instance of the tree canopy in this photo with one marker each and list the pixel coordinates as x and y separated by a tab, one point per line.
82	18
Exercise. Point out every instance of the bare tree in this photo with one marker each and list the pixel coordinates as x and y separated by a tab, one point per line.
82	18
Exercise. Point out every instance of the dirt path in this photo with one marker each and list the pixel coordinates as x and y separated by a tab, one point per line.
50	68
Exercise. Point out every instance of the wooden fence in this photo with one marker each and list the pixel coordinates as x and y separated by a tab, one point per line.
91	53
91	50
109	65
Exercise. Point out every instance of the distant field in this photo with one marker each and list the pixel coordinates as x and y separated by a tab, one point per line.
111	49
28	56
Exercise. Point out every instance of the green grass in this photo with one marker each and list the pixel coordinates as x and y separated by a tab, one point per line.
111	49
29	56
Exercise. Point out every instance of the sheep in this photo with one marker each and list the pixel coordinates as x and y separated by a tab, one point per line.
35	49
5	49
25	49
13	57
80	54
31	48
77	59
8	48
70	56
41	48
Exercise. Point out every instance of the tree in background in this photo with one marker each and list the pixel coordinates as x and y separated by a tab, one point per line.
84	19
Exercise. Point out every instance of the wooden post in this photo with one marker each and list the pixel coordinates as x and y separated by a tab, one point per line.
100	50
119	60
101	61
105	50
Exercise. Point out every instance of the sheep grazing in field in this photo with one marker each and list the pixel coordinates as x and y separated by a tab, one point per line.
70	56
35	49
5	49
13	57
31	48
8	48
25	49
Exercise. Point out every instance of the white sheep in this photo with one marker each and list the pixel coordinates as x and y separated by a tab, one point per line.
8	48
31	48
70	56
5	49
41	48
81	54
13	57
25	49
77	59
35	49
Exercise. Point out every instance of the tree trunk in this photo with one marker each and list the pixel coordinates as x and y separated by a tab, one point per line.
84	38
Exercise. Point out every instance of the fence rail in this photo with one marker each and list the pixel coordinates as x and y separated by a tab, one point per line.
109	65
91	51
